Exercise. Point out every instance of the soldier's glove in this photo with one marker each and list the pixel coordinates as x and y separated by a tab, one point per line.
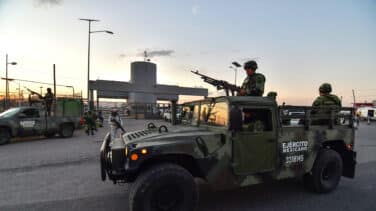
242	92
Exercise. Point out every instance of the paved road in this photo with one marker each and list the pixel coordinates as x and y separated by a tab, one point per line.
63	174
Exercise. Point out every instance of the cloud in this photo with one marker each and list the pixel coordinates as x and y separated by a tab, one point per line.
40	3
245	59
157	53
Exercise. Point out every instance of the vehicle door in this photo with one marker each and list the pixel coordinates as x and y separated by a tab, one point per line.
29	122
255	145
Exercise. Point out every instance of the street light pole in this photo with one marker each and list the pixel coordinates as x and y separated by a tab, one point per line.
6	80
89	97
88	66
72	88
235	67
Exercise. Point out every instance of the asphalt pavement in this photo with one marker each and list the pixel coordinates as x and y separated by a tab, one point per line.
63	174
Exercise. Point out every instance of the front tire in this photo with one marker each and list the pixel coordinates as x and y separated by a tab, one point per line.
4	136
164	187
50	135
326	171
66	130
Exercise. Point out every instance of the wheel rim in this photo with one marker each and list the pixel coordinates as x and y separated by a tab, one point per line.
67	131
167	198
4	136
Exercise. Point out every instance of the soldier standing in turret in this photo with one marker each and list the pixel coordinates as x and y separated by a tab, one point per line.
254	84
48	99
326	99
324	105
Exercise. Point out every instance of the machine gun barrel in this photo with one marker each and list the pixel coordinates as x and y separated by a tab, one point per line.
34	93
219	84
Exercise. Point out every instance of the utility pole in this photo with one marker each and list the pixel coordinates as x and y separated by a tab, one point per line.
19	95
353	92
54	100
6	80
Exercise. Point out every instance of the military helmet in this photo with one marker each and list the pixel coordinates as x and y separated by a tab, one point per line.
250	65
272	94
325	88
114	112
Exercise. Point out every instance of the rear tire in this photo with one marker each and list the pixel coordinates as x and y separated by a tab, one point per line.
164	187
4	136
50	135
66	130
326	172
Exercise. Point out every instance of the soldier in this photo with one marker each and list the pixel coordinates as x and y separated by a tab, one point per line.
93	117
100	118
115	131
115	116
48	99
254	84
326	99
90	123
324	103
87	123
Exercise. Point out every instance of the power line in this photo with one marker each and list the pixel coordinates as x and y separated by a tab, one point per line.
30	81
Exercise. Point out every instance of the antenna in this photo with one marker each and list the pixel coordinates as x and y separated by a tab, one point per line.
146	56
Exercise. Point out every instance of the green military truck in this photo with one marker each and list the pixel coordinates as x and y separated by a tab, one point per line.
229	142
33	121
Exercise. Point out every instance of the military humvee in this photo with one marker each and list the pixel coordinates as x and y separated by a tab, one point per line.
33	121
229	142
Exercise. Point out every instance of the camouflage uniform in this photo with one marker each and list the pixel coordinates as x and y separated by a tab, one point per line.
253	84
48	99
323	104
89	122
327	100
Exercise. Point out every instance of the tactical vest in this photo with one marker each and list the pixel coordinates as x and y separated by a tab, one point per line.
254	85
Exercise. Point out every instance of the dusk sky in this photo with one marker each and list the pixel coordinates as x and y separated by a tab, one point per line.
298	44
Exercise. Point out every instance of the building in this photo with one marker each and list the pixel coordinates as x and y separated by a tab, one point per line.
142	90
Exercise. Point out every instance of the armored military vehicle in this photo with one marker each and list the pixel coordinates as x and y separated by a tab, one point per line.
33	121
229	142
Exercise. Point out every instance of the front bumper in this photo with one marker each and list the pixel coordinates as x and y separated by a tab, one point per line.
115	164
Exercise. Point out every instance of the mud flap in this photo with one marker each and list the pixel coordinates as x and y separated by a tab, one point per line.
102	157
349	162
103	170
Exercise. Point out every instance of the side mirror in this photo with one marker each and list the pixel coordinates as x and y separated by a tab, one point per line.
236	120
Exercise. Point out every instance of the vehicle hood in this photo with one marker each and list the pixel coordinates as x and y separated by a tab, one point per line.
175	134
5	120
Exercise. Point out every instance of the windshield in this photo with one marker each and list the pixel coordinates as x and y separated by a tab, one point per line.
214	114
9	112
195	115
